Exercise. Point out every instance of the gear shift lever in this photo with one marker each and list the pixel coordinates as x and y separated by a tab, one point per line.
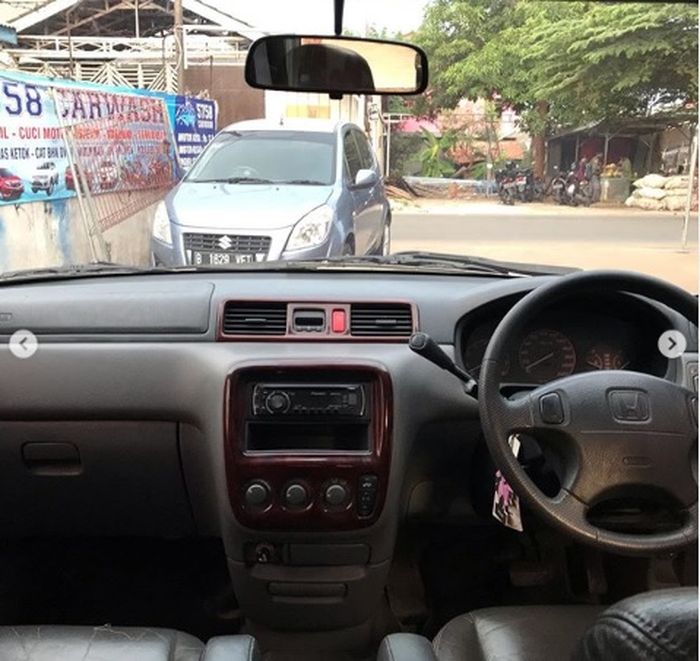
428	348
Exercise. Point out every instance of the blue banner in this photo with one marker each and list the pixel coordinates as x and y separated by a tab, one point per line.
33	155
34	163
194	127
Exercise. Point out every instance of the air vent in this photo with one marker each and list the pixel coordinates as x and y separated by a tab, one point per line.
246	318
381	320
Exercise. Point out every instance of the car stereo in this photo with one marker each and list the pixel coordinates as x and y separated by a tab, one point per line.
317	400
307	445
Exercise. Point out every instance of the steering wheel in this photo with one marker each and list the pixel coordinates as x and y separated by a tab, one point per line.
611	430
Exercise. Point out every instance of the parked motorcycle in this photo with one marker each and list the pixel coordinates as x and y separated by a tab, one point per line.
507	187
578	191
529	187
557	187
570	190
518	184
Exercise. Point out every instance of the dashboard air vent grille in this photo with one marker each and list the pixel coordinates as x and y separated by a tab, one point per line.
381	320
249	318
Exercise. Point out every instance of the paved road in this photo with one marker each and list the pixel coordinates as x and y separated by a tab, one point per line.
589	238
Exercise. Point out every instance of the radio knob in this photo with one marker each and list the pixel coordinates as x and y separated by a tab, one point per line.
296	495
257	494
335	494
277	402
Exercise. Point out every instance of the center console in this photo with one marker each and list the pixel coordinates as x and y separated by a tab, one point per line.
308	447
307	451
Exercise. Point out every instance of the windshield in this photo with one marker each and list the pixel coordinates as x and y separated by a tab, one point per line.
551	135
272	156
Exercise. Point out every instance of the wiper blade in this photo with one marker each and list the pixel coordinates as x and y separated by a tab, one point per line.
111	269
464	263
233	180
75	270
302	182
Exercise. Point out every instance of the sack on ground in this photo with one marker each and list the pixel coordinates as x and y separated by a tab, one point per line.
650	193
651	181
675	202
677	181
644	203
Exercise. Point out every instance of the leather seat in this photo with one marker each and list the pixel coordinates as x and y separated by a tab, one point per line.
660	625
106	643
535	633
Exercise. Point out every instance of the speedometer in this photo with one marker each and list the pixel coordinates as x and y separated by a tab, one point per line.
546	354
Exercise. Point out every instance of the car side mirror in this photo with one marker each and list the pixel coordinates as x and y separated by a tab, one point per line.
365	179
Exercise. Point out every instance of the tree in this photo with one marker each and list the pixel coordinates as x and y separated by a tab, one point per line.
561	62
433	156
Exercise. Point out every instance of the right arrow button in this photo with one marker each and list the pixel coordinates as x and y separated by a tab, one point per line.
672	344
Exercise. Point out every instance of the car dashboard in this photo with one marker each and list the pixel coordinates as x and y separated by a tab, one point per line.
156	406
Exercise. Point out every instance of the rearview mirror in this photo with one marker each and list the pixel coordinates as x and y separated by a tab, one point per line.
336	65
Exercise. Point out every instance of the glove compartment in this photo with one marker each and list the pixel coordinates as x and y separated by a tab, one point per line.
92	478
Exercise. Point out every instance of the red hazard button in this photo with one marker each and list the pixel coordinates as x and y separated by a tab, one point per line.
338	321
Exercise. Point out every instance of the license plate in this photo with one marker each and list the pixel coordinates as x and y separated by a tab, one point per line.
521	181
220	258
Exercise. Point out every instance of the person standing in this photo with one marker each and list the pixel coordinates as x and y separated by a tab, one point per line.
581	169
625	166
596	167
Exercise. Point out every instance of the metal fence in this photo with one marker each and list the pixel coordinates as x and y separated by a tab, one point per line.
120	163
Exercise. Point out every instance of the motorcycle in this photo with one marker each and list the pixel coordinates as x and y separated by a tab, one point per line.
538	189
578	191
557	187
507	187
570	190
530	188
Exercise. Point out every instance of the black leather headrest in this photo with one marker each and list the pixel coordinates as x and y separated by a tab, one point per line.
324	66
660	625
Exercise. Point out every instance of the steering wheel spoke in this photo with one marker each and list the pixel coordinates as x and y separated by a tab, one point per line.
629	430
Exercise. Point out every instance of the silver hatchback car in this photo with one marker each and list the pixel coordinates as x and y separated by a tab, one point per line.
263	190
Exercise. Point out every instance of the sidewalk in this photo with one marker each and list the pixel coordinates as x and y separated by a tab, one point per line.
478	206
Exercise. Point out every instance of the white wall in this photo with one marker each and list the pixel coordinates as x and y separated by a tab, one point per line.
42	234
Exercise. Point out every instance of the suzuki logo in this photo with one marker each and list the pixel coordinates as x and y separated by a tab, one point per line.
629	405
225	242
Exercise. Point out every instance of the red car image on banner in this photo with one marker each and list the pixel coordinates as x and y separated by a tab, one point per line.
11	186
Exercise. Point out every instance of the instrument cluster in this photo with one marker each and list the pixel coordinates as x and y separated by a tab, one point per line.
578	337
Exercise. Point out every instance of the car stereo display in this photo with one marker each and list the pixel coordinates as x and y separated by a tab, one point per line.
332	400
318	417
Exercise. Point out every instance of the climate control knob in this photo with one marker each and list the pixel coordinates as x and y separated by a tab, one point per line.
257	494
336	494
277	402
295	495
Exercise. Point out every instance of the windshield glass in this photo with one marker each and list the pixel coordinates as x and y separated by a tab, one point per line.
551	134
277	156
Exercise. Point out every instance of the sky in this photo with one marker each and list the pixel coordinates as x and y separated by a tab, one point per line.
317	15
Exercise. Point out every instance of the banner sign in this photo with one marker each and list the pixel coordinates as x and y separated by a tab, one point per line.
33	155
194	126
121	141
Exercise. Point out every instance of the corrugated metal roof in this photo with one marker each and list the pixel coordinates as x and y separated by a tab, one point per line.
10	10
24	14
